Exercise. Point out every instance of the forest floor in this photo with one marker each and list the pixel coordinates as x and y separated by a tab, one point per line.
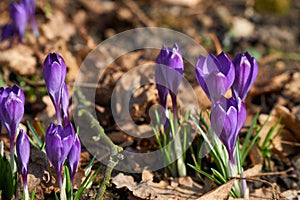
74	28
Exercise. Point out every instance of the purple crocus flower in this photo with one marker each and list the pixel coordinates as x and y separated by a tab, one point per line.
23	152
18	14
30	8
168	74
65	104
246	70
54	70
12	110
73	157
215	74
7	32
227	118
59	142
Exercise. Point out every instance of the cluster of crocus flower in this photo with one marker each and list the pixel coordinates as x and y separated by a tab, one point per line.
216	75
12	102
62	143
20	13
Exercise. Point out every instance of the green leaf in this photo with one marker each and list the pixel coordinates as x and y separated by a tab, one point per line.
219	175
7	180
32	195
69	190
38	140
85	183
206	174
246	149
56	197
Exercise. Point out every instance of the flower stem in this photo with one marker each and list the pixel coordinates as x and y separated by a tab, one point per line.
62	185
26	193
58	115
178	145
12	158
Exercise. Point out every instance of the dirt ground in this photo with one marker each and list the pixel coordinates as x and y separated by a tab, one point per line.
268	29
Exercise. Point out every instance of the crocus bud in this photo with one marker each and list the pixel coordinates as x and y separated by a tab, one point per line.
74	156
30	8
168	74
246	70
169	70
18	14
65	104
23	152
54	70
227	118
59	142
12	109
215	75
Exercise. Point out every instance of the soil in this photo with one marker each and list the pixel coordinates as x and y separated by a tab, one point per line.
268	29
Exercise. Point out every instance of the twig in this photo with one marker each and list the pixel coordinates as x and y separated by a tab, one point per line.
290	143
216	43
115	150
135	9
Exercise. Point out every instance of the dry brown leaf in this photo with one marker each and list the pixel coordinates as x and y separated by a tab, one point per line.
147	175
267	193
122	180
288	120
256	169
19	59
264	84
255	155
58	27
293	87
98	7
290	194
221	192
188	3
181	188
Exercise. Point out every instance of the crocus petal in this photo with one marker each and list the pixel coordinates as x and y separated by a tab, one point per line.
54	147
65	104
12	111
230	130
30	8
227	118
23	152
217	119
54	70
67	138
216	83
170	68
19	92
215	75
241	114
73	157
227	68
246	70
168	71
19	16
7	32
